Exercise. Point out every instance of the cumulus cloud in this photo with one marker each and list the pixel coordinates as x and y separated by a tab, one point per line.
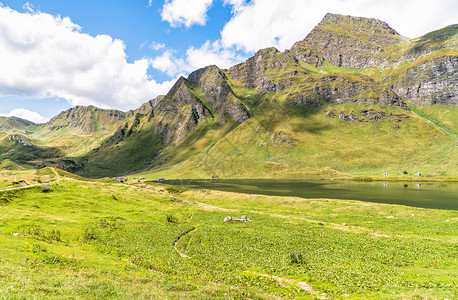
48	56
27	115
185	12
210	53
264	23
169	64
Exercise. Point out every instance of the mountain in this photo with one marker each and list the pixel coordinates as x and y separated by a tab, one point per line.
352	97
15	123
88	120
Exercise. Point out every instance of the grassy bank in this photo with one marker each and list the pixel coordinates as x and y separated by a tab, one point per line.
401	178
89	240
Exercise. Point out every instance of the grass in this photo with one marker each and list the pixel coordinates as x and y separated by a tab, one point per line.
442	116
310	144
90	239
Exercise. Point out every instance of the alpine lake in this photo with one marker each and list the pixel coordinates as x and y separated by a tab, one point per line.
436	195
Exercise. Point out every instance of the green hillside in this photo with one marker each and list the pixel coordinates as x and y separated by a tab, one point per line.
11	124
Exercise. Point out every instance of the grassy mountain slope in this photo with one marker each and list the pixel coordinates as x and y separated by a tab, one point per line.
310	143
9	124
80	129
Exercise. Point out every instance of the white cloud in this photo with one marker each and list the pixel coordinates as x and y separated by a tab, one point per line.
27	115
212	54
28	6
208	54
142	45
169	64
264	23
48	56
185	12
157	46
237	5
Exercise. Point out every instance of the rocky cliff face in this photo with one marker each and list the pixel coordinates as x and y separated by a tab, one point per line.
430	82
344	54
212	83
427	71
346	41
148	106
338	89
179	112
254	72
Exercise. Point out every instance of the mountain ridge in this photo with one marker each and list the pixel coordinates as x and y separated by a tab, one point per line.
347	69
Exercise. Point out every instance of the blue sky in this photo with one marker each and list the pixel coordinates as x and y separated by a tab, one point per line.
56	54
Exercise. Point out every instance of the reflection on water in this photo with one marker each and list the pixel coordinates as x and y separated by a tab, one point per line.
426	195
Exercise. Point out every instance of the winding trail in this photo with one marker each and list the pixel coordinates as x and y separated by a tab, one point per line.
32	185
178	239
23	187
283	281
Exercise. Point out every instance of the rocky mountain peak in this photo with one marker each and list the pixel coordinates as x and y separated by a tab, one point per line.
352	42
361	23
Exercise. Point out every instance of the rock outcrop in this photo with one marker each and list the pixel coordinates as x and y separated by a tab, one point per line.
430	82
179	112
212	83
351	42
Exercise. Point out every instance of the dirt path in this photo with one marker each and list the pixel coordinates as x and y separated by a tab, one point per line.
178	239
286	282
22	187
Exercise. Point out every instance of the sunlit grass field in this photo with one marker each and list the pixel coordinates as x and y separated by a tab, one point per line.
310	144
97	240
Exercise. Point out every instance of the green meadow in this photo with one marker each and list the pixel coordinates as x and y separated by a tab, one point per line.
95	239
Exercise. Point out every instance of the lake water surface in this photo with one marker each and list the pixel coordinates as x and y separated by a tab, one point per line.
426	195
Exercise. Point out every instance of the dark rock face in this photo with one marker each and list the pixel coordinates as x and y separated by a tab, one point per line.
373	115
367	115
202	98
430	82
337	89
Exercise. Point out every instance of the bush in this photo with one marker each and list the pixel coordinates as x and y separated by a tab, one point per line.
43	235
296	258
46	188
89	235
172	219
